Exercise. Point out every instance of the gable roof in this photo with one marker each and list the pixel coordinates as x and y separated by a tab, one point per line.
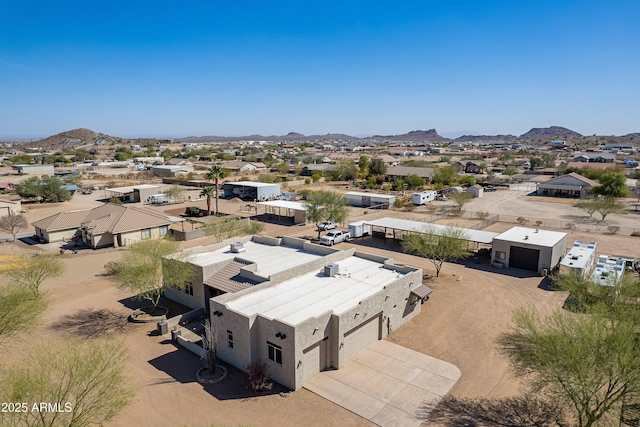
579	177
109	218
410	170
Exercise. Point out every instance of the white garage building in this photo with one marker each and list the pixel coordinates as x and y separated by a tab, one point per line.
529	249
370	200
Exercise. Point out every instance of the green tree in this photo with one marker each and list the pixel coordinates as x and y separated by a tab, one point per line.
548	160
88	378
460	199
608	205
175	192
470	181
307	160
217	173
283	167
145	270
20	310
612	184
326	206
12	224
415	181
45	189
208	192
535	162
445	176
399	184
345	171
590	362
363	165
588	206
510	171
377	167
505	157
438	245
35	268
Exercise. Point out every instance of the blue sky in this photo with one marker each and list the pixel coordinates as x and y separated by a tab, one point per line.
179	68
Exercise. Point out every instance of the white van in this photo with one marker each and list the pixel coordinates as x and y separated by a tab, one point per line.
157	199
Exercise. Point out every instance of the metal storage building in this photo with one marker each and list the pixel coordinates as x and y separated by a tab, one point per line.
529	249
251	190
36	169
370	200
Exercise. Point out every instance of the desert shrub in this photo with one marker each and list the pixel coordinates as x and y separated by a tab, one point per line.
522	220
258	378
613	229
571	226
482	214
635	233
307	181
538	223
398	203
386	187
115	201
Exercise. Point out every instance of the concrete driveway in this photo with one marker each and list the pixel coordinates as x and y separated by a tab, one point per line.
387	384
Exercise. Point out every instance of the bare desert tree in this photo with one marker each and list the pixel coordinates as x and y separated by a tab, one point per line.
86	380
12	224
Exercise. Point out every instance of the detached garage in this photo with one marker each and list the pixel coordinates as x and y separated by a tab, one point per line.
529	249
370	200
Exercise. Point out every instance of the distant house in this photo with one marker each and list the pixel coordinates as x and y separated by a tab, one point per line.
619	146
471	166
319	168
10	204
240	166
106	225
569	185
558	144
594	157
35	169
171	170
404	171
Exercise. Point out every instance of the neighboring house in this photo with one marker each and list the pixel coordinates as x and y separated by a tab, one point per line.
389	160
300	307
558	144
620	146
569	185
319	168
471	166
476	190
595	157
106	225
240	166
149	160
404	171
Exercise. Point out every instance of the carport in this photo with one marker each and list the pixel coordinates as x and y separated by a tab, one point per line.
282	208
399	227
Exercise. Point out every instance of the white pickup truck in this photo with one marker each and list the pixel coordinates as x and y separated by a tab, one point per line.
333	237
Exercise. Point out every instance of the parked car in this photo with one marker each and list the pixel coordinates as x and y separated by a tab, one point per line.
490	188
327	225
333	237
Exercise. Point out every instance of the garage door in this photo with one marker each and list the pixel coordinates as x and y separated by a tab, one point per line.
361	337
314	359
524	258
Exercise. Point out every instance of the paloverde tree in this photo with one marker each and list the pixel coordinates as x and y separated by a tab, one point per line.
45	189
377	167
86	379
144	270
34	269
208	192
438	245
217	173
460	199
326	206
12	224
445	176
20	310
589	362
612	184
175	192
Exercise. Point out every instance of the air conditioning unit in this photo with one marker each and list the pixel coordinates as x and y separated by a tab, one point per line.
237	247
331	270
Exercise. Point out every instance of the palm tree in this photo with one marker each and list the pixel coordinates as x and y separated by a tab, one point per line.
216	173
208	192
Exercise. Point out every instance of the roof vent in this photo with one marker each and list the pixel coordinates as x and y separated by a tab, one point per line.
237	247
331	270
526	237
536	230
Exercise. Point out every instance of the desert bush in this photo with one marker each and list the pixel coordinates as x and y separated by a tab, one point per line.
635	233
571	226
258	378
539	223
613	229
522	220
482	214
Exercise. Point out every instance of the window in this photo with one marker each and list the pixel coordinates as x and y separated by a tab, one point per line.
230	339
274	353
164	229
146	233
501	255
189	290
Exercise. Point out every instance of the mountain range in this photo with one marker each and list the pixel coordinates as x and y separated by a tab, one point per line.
79	137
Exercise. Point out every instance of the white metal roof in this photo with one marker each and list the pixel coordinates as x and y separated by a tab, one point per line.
312	294
418	226
376	195
580	256
130	188
285	204
270	259
252	184
532	236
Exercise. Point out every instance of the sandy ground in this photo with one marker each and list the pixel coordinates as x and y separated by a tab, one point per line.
470	307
